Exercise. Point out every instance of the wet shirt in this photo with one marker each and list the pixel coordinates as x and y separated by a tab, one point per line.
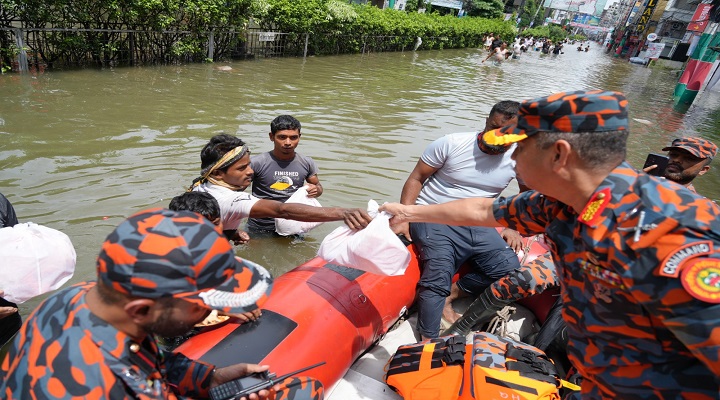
234	206
640	273
276	179
463	170
64	351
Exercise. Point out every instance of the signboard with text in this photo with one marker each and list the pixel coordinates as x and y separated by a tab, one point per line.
700	18
654	50
456	4
266	36
644	18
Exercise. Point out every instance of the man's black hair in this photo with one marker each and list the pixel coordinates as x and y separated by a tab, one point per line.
508	108
217	147
200	202
284	123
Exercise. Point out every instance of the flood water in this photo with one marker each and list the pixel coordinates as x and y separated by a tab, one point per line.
82	150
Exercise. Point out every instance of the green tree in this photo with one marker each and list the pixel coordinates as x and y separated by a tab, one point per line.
484	8
529	10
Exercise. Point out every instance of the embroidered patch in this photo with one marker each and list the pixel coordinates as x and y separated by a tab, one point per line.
595	207
672	264
701	278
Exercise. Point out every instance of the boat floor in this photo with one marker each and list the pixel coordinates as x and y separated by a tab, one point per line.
365	378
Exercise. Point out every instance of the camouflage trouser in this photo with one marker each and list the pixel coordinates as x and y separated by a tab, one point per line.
530	279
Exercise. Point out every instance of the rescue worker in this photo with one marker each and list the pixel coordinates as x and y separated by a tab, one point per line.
637	256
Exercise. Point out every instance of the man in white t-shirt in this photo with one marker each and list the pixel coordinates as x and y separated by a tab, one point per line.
517	49
459	166
226	172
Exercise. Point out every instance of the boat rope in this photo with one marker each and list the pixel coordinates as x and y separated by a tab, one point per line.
498	325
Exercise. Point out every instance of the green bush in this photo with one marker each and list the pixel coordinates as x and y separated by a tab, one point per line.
335	26
553	32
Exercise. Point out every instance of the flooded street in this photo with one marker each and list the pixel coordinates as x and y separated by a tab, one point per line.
82	150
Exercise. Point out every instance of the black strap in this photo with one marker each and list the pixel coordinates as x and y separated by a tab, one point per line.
454	353
531	364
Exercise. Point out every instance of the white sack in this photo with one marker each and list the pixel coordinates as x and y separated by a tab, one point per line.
375	249
34	259
287	227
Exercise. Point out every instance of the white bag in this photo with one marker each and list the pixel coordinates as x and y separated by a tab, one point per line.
34	259
375	249
287	227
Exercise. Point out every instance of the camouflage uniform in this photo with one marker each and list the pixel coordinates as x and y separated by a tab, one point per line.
640	313
639	266
64	351
530	279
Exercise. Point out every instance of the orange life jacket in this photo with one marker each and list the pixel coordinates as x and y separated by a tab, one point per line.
492	367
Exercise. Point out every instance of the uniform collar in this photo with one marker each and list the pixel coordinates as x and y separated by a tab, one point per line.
120	347
609	192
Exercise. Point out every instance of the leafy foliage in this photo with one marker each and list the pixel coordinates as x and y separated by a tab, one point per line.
484	8
177	30
553	32
532	11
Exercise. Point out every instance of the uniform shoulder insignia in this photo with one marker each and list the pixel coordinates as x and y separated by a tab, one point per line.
672	264
701	279
591	213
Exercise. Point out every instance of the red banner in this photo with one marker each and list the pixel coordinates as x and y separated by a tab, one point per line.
700	18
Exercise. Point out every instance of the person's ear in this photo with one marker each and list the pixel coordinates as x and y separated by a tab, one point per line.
140	310
703	170
561	154
271	136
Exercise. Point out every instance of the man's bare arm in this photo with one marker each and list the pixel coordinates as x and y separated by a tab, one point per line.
411	191
354	218
476	211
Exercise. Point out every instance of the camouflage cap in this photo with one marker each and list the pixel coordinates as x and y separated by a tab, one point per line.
576	112
162	253
696	146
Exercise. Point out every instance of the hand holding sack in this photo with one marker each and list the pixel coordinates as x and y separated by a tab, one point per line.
375	249
34	259
287	227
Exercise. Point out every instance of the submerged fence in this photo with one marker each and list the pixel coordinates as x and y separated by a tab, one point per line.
23	49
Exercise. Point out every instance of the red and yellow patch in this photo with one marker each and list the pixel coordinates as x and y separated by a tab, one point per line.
701	278
595	207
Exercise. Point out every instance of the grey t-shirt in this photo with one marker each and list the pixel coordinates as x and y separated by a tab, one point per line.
464	171
277	180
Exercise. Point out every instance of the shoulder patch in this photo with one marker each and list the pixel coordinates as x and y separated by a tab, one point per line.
672	264
701	279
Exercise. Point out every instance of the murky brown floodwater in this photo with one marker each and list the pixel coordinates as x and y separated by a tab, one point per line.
81	150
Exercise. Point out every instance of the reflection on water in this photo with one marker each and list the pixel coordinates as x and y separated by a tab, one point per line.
81	150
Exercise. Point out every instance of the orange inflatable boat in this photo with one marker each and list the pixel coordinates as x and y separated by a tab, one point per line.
317	312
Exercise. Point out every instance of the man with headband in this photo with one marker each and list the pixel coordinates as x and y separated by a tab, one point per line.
638	257
160	272
226	172
453	167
